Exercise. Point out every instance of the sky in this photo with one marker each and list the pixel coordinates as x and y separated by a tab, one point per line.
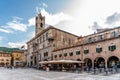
80	17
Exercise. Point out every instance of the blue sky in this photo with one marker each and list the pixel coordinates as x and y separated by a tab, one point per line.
80	17
16	13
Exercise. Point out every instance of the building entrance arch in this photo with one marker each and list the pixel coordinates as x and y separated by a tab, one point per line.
99	62
88	62
112	61
2	64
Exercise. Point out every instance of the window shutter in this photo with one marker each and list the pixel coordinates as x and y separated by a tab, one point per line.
109	48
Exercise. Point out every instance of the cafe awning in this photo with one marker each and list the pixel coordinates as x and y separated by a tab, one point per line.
60	62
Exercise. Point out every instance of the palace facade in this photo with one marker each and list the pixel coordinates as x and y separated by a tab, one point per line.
50	43
46	40
98	49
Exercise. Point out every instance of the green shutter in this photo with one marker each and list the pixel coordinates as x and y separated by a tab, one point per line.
87	51
109	48
114	46
84	51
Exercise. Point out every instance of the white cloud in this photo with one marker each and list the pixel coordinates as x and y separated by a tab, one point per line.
95	26
17	25
14	25
50	19
16	45
5	30
54	19
40	7
113	18
31	22
86	12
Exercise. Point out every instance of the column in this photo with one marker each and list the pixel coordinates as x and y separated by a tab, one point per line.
106	63
92	63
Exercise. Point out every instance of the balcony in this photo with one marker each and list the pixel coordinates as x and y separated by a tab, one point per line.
35	44
50	39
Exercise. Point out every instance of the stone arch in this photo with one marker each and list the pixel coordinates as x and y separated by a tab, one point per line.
78	65
78	59
88	62
112	60
99	62
2	64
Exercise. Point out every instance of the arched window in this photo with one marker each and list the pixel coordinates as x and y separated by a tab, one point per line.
112	47
99	48
115	33
90	40
41	25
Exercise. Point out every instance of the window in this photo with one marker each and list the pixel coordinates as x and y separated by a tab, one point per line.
46	36
71	53
40	39
55	56
77	52
41	25
43	46
69	41
96	38
39	57
101	37
36	18
45	54
60	55
108	36
43	38
98	50
112	48
17	58
37	40
65	54
90	40
86	51
115	33
84	42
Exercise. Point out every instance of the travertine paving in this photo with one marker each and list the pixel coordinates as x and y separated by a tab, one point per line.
32	74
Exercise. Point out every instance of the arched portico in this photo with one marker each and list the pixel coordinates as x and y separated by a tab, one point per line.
88	62
112	61
99	62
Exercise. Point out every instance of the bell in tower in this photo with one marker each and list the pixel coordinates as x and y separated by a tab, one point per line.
40	23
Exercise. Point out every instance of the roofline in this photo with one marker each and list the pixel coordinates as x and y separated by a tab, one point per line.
101	32
77	45
21	51
48	28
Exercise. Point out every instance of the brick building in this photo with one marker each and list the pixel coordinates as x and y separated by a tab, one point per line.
50	43
101	48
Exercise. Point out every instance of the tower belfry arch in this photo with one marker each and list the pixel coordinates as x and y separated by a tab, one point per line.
40	23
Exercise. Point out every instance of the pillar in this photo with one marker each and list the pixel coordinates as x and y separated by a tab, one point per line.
92	63
106	63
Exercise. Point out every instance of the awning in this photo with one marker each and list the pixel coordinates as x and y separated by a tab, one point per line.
60	62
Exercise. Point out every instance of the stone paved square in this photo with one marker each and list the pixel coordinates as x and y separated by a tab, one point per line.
32	74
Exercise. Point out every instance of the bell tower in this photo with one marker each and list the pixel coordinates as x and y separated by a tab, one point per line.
40	23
